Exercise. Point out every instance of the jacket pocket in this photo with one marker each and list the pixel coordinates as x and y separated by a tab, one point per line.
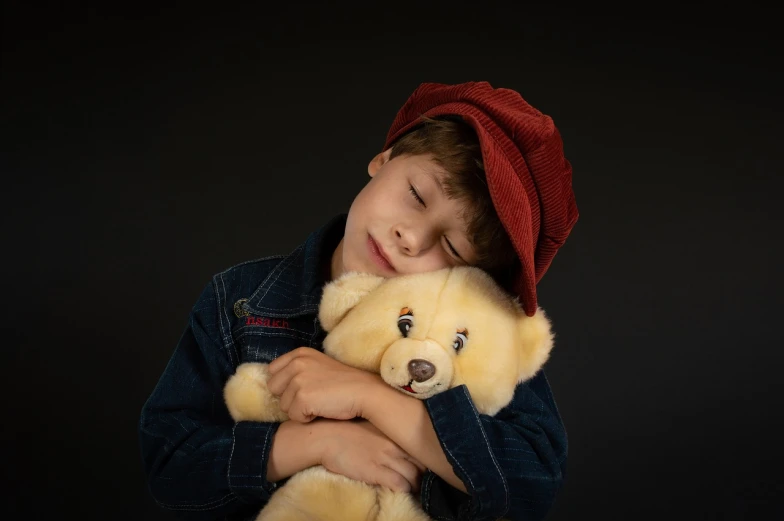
263	339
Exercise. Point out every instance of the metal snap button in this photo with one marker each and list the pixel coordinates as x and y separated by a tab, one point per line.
238	308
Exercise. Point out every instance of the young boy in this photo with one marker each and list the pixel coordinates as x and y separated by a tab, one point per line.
469	174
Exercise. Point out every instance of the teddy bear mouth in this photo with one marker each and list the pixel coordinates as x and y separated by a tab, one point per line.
408	388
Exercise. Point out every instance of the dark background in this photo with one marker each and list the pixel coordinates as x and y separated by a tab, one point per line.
145	149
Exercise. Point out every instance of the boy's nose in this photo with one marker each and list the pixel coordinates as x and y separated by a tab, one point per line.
409	241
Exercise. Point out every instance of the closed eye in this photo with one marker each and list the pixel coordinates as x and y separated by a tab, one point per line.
416	195
453	250
421	202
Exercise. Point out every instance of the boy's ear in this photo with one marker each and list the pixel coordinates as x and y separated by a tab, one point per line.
377	162
342	294
536	342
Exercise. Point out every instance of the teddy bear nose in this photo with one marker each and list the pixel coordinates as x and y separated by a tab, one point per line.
421	370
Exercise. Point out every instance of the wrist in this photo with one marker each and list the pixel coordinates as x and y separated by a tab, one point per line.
376	397
295	447
325	432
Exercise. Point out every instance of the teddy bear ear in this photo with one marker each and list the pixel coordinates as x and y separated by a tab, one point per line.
536	342
342	294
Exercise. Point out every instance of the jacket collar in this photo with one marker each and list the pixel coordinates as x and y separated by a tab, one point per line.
294	287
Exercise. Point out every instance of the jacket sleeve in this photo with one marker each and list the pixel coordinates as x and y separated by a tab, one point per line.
512	464
198	461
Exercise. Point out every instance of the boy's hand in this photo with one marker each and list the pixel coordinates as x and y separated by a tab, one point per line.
311	384
358	450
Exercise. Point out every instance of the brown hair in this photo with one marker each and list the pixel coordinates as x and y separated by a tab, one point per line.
454	146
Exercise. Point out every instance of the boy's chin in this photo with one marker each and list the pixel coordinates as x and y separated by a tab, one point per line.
371	269
353	265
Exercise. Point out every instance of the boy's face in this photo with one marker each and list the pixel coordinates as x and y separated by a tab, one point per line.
402	221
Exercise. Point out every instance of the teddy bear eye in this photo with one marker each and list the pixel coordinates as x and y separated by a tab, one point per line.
405	322
460	341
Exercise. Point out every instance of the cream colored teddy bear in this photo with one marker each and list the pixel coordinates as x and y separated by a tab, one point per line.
424	333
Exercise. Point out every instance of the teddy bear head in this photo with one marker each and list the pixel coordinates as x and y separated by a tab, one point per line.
428	332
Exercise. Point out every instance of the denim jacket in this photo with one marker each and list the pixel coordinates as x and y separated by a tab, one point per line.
202	465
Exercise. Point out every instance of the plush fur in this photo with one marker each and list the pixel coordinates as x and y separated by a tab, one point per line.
461	329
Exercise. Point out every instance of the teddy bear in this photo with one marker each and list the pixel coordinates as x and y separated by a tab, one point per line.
423	333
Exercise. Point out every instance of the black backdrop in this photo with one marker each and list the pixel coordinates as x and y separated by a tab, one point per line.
145	150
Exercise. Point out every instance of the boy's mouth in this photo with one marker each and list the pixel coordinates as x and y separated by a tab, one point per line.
378	255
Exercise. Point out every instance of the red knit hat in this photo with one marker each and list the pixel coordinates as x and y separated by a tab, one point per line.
529	179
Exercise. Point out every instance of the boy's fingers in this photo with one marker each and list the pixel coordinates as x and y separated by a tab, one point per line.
279	382
285	402
294	409
279	363
416	463
283	360
392	479
406	469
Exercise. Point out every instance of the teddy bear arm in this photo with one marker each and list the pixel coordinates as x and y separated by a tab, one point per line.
247	397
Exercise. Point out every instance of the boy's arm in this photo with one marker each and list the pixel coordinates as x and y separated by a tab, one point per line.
197	460
203	465
407	422
510	465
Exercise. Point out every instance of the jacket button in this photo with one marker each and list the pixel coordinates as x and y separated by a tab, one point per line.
238	308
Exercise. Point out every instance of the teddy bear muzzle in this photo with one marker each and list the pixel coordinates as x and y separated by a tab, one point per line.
418	368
